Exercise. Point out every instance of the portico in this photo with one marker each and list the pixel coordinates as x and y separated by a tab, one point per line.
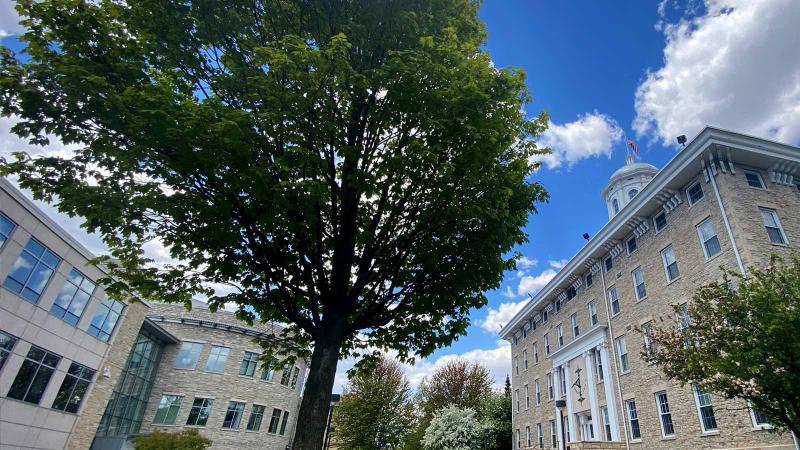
582	377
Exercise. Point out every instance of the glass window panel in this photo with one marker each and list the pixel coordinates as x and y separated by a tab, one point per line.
256	417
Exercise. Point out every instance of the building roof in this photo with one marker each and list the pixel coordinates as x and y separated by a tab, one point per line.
712	147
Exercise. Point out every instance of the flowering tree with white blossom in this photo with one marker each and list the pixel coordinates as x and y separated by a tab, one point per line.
453	429
741	339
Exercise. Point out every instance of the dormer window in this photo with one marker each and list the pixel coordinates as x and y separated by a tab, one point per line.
615	204
632	193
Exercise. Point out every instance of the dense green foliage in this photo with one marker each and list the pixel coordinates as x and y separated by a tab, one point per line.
357	169
495	416
184	440
375	411
742	341
453	428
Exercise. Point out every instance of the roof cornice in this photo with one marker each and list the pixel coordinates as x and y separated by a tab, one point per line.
688	155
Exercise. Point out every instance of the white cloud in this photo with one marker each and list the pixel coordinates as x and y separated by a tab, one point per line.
497	360
591	135
526	263
559	264
531	284
497	318
9	19
508	293
737	66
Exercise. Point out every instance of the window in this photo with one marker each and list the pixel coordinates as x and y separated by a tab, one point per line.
647	329
536	353
528	436
550	393
553	434
632	193
275	420
516	365
683	319
256	417
201	409
537	391
105	319
560	334
73	388
609	263
33	375
167	410
622	352
593	313
268	372
660	221
606	422
638	283
614	300
6	345
589	280
516	434
525	359
286	375
670	263
73	297
527	398
295	374
708	237
598	364
773	225
571	293
32	270
217	358
754	179
705	411
6	227
545	315
631	244
759	420
249	364
633	419
539	436
667	429
574	322
188	355
284	423
562	376
694	193
615	204
546	344
233	416
516	398
524	333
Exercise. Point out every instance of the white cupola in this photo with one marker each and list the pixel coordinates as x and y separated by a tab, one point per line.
625	183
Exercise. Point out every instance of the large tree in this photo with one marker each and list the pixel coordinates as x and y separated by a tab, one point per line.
739	339
358	169
375	411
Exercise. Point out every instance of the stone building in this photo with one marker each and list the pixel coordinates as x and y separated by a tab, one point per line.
80	370
579	382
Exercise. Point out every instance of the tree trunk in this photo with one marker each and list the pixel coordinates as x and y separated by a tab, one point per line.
313	416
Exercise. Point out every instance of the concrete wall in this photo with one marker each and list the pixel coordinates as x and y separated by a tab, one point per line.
24	425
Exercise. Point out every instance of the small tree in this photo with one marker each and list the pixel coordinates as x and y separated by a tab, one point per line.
495	416
453	429
375	411
184	440
741	339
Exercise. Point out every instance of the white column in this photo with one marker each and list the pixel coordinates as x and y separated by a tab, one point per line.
557	395
587	359
609	377
570	419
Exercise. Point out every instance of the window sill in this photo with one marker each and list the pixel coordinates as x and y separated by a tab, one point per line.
636	441
625	372
167	425
641	299
709	433
668	438
778	244
678	278
230	429
184	368
761	428
711	258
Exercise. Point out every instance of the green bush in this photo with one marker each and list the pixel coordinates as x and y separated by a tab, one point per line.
184	440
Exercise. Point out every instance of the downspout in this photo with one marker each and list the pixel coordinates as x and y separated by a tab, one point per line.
614	358
725	220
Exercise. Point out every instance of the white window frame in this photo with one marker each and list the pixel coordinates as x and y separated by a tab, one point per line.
560	334
612	299
703	242
527	398
547	344
636	286
655	222
635	245
573	320
756	424
525	359
536	353
553	434
622	351
593	317
516	364
539	436
598	366
774	214
528	436
671	250
537	391
630	418
589	280
551	390
606	423
516	398
518	442
763	186
689	197
661	414
696	395
648	342
607	269
563	378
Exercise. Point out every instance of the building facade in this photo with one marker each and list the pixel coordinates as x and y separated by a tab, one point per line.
725	201
80	370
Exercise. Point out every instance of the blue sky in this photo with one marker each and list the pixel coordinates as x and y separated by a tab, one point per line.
651	70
